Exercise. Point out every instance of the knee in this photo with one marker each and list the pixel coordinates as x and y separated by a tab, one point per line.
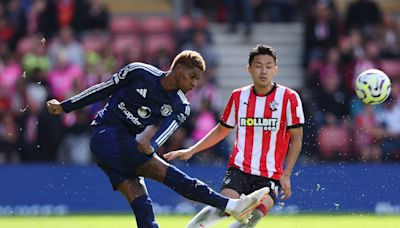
132	189
153	169
268	203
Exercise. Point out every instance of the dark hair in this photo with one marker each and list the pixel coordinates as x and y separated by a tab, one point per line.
190	59
262	49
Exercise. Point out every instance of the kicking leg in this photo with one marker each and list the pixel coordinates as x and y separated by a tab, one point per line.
135	191
208	216
193	189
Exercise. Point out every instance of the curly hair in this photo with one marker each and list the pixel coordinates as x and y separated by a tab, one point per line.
190	59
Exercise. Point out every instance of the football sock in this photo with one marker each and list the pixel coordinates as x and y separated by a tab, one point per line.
263	209
255	217
143	209
208	216
193	189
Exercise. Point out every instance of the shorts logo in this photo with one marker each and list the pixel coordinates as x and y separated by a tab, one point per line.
144	112
166	110
227	180
269	124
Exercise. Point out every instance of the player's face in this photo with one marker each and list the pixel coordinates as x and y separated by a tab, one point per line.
188	78
263	69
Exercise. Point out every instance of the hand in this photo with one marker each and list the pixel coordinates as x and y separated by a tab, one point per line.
54	107
285	185
183	154
145	148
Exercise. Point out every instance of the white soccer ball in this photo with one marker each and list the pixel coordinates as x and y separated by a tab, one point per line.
373	86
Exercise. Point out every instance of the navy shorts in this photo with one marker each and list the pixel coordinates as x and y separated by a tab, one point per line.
115	152
245	183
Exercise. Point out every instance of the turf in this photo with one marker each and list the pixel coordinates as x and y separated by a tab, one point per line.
126	221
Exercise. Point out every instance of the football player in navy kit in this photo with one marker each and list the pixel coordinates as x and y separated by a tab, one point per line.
142	95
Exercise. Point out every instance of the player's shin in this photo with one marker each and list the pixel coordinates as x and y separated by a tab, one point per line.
193	189
255	218
143	209
207	217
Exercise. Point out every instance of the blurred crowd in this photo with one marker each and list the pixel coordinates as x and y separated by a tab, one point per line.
337	49
55	49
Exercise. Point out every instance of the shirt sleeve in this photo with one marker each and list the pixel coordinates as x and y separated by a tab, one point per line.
294	111
169	126
228	118
100	91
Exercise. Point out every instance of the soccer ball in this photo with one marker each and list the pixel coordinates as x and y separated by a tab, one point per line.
373	86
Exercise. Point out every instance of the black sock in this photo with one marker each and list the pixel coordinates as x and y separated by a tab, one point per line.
143	209
193	189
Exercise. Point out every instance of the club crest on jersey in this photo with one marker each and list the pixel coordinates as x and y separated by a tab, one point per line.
273	105
144	112
166	110
269	124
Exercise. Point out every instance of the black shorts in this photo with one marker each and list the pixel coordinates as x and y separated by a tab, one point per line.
245	183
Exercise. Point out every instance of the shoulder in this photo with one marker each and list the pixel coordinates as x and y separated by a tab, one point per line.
238	91
142	67
182	103
182	97
288	92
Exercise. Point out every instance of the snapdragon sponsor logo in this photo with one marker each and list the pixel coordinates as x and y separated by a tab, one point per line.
129	115
269	124
34	210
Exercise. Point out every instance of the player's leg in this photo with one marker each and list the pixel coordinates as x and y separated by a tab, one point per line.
112	150
135	191
208	216
252	182
193	189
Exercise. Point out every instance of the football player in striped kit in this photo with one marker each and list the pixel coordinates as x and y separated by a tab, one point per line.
268	118
142	95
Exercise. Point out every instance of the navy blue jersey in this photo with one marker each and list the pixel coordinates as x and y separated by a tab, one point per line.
137	100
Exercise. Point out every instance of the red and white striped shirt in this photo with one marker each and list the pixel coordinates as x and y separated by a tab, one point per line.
262	133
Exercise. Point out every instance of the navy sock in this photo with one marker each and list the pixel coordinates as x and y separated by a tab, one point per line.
193	189
143	209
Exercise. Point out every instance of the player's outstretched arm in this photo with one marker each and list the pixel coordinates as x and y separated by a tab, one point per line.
54	107
184	154
296	138
213	137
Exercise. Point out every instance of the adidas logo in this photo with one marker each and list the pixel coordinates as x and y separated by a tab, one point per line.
142	92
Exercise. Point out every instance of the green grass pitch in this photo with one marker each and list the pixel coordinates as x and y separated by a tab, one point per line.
127	221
